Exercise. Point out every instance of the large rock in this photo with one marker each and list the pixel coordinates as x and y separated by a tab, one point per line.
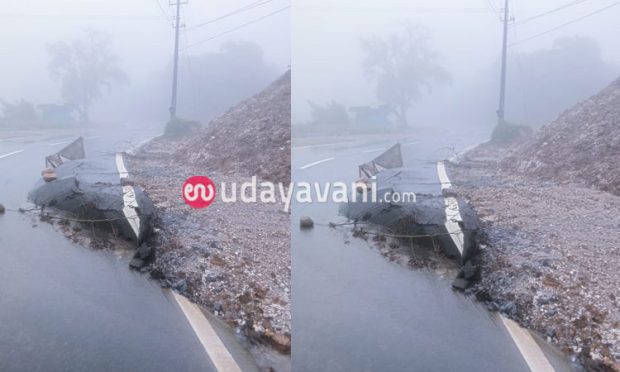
306	223
469	272
460	284
137	263
144	252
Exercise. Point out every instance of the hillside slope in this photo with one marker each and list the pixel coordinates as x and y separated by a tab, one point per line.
252	138
581	146
233	258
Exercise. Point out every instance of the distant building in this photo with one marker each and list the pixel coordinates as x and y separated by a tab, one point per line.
58	114
371	116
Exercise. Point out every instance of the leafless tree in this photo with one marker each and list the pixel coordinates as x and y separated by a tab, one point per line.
404	67
84	67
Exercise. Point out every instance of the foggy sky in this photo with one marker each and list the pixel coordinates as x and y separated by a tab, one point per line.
141	37
467	34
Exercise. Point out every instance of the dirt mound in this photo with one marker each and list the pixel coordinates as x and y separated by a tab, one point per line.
252	138
581	146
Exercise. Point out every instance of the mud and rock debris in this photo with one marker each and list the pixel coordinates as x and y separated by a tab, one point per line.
252	138
234	257
549	255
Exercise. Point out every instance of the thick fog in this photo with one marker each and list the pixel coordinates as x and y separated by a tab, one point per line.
546	74
221	62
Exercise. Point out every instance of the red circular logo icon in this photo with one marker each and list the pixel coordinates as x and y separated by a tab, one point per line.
199	192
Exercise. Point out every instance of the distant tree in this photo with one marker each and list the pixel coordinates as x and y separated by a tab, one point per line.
213	82
330	114
84	67
209	83
545	82
404	67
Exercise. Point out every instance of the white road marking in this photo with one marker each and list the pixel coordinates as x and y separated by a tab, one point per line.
129	198
530	350
374	150
65	142
443	176
58	143
32	138
10	154
213	345
453	215
135	148
14	139
120	165
316	163
129	210
411	143
318	146
456	157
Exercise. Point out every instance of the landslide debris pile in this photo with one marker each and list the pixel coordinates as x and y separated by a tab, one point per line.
581	146
252	138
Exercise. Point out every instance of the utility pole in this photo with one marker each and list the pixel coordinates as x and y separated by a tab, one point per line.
177	26
502	88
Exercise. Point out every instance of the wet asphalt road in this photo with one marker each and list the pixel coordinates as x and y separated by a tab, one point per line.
355	311
68	308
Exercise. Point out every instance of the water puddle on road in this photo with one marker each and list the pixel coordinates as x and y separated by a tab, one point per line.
65	307
355	310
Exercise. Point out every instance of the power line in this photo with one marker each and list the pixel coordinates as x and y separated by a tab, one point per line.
237	11
162	10
551	11
494	9
164	13
82	17
565	24
238	27
395	9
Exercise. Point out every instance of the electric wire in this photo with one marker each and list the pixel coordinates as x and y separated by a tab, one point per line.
238	27
90	17
418	10
164	13
526	20
234	12
565	24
